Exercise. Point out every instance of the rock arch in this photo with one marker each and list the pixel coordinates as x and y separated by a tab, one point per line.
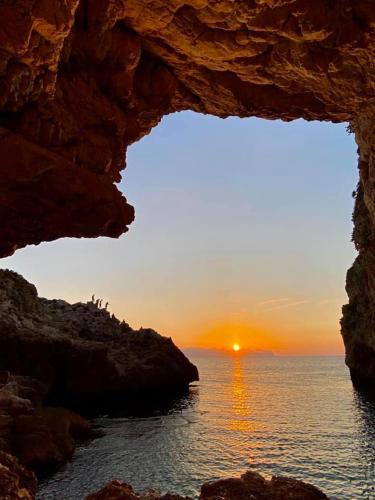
80	80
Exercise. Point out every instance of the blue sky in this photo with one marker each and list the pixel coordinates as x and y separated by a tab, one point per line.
242	233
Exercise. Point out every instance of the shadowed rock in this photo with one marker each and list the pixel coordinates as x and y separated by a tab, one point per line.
40	437
47	437
251	486
82	353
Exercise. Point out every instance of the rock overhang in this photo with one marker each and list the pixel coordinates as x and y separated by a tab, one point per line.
80	80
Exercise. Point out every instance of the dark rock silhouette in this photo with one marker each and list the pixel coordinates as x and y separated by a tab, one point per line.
82	353
251	486
358	321
39	436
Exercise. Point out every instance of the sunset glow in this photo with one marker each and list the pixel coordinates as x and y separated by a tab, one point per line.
236	347
265	285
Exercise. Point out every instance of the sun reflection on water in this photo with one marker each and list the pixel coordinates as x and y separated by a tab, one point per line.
241	419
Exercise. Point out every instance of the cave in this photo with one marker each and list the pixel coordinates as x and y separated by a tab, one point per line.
81	80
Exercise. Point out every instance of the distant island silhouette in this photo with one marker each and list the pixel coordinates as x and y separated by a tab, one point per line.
205	351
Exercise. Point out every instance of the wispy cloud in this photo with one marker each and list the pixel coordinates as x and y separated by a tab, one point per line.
330	301
272	301
286	306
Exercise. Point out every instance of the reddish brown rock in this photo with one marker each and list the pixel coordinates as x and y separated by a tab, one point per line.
253	486
80	80
39	437
47	437
358	322
16	482
19	396
117	490
250	486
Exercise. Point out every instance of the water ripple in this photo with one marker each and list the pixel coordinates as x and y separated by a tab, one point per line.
289	416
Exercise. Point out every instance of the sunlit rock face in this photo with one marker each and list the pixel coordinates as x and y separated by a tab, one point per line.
16	483
80	80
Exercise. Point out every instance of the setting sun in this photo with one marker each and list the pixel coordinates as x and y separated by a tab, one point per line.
236	347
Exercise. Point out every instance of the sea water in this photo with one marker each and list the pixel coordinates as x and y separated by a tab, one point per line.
289	416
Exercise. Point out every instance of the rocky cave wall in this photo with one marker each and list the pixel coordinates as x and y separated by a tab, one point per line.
80	80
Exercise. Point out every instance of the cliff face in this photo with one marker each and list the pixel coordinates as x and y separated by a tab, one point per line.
80	80
80	352
358	322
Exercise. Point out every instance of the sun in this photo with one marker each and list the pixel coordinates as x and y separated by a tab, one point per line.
236	347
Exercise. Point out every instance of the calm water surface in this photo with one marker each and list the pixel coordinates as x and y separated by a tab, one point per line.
288	416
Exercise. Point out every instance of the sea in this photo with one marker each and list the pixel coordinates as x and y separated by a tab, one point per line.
287	416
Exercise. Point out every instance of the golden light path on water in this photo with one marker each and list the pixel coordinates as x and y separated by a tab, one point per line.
288	416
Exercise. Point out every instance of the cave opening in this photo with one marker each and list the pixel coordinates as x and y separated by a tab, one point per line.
244	226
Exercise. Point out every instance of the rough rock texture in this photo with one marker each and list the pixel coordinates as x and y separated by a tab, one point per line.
358	322
47	437
80	80
39	436
251	486
81	352
18	396
16	483
117	490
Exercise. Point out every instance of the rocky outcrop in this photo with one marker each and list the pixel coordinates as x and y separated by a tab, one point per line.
47	437
74	354
16	482
250	486
82	353
358	322
117	490
80	80
254	486
40	437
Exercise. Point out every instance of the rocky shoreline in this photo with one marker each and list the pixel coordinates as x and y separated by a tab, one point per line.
17	483
70	356
250	486
80	355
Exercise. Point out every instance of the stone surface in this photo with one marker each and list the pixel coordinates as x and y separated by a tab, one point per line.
16	483
117	490
358	322
82	353
80	80
47	437
19	396
251	486
39	436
